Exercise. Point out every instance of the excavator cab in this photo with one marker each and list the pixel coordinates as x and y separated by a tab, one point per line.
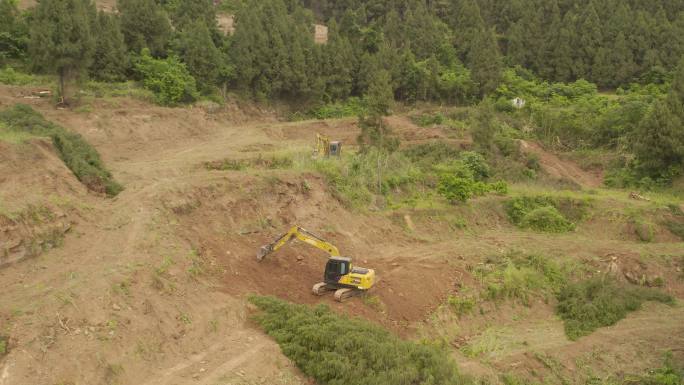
336	268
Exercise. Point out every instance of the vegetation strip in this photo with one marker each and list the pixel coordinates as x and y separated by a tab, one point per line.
78	155
334	349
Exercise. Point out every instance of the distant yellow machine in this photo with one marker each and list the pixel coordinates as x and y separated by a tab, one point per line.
340	275
324	147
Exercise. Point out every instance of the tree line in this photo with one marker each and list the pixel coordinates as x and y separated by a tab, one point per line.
450	51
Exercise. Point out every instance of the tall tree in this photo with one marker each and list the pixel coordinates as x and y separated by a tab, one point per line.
202	58
61	39
374	131
659	145
186	12
110	61
484	61
144	24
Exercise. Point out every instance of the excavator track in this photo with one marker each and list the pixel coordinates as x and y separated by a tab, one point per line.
322	288
345	293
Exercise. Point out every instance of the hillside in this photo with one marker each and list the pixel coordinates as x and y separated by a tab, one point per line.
149	287
493	189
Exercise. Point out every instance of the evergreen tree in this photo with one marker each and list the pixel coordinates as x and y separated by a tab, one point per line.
468	25
589	39
484	61
61	39
144	25
374	131
201	57
659	145
187	12
622	61
337	64
110	61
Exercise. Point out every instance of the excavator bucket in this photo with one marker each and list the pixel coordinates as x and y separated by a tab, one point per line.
263	252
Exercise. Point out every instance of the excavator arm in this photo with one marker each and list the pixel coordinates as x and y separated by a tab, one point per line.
304	236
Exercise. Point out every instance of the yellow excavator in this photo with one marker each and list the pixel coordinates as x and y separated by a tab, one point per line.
324	147
340	275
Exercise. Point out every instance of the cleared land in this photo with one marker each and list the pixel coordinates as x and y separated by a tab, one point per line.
150	287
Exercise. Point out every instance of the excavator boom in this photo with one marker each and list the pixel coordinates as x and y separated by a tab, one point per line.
304	236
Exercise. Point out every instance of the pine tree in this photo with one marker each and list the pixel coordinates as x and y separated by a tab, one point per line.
144	25
659	145
374	131
61	39
622	61
589	39
200	55
467	26
187	12
110	61
484	61
337	65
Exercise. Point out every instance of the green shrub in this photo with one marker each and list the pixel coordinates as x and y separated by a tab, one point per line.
546	219
597	302
476	163
351	107
570	210
168	78
334	349
456	189
425	120
79	156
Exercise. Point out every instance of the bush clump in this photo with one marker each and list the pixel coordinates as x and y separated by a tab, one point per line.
78	155
546	213
168	78
546	219
597	302
337	350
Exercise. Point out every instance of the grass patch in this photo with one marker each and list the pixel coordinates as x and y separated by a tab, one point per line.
356	178
351	107
521	277
462	305
12	77
676	228
334	349
78	155
4	346
644	229
273	162
13	137
597	302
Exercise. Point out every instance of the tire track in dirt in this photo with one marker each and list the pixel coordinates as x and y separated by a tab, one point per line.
209	366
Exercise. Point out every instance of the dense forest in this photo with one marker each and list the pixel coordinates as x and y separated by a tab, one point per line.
557	54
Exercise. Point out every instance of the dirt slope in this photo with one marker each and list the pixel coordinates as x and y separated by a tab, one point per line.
561	169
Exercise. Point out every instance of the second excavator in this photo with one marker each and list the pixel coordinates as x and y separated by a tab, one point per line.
340	275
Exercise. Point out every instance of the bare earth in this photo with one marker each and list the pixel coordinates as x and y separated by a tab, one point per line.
150	287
